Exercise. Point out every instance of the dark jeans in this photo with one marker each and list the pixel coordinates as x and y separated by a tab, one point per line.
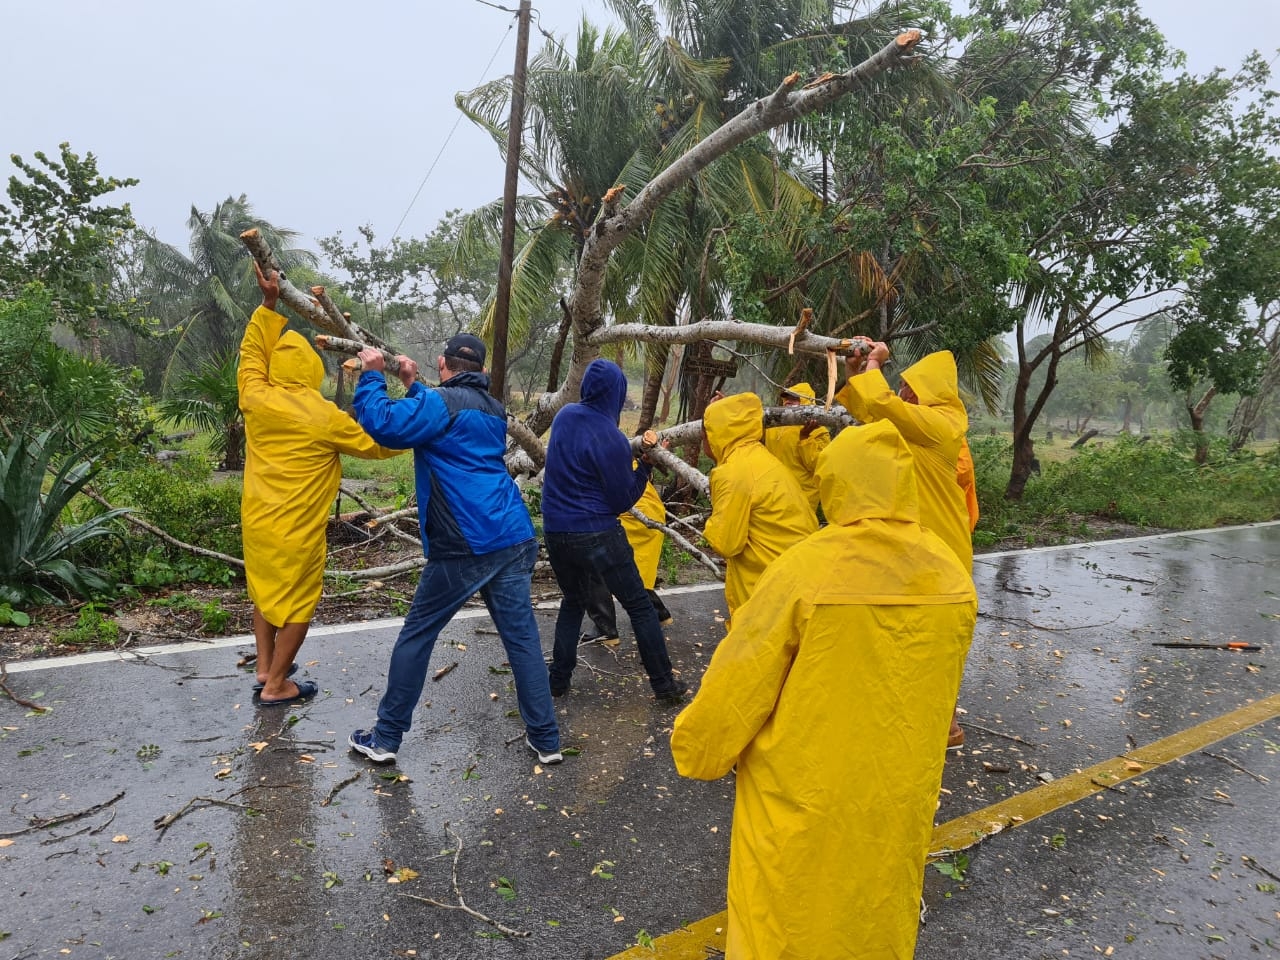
575	557
599	606
502	579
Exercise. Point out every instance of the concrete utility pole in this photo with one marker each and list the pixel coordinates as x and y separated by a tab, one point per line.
502	302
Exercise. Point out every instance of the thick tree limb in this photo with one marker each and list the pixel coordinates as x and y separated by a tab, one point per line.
761	333
326	341
528	442
782	106
304	304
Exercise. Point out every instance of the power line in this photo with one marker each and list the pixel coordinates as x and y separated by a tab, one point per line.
454	129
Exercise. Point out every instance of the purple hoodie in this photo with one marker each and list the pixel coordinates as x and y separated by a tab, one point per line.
589	478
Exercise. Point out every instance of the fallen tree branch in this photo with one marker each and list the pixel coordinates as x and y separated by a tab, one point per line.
997	733
163	823
44	823
167	538
681	542
457	892
4	686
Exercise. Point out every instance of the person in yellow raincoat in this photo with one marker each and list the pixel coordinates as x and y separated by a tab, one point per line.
757	507
931	417
968	483
798	446
831	694
293	439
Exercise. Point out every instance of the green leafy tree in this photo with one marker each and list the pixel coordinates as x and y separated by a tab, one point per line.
54	229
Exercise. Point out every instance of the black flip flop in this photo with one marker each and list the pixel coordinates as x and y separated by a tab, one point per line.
293	668
306	690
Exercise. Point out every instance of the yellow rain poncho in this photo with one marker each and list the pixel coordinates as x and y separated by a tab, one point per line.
934	428
800	454
832	693
968	483
646	542
757	507
293	438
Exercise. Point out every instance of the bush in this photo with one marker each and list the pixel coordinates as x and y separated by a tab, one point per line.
38	543
184	501
1152	483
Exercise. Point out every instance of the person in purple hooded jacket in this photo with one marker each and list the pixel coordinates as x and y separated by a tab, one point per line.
588	480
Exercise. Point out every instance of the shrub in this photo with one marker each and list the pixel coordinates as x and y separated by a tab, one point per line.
37	547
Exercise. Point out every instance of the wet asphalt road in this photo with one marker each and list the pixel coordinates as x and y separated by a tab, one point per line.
287	855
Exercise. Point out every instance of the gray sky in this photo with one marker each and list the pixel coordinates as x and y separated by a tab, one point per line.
328	113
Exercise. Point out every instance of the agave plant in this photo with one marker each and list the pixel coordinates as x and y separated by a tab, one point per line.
35	544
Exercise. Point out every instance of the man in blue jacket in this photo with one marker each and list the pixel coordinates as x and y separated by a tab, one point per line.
588	480
476	535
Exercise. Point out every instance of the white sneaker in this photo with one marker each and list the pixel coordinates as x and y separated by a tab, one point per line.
547	758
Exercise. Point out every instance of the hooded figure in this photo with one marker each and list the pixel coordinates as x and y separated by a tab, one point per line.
589	479
934	427
798	447
832	694
293	439
757	507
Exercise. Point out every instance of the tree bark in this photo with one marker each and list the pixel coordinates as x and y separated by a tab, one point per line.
1196	412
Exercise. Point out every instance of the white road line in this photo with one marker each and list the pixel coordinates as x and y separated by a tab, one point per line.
107	656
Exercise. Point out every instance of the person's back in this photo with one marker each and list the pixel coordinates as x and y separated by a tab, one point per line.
934	427
757	507
589	478
467	502
798	446
831	694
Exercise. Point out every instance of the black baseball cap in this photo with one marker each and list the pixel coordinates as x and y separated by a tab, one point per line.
465	346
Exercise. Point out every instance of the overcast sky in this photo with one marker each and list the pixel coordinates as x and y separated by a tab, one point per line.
329	114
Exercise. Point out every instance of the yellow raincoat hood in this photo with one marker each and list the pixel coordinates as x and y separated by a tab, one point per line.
758	508
295	363
732	422
934	380
934	429
833	693
804	391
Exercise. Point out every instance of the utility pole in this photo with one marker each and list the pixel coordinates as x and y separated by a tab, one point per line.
502	302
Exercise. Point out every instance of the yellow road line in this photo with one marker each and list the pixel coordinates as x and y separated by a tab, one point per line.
691	942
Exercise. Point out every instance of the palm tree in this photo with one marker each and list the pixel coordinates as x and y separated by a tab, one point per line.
208	399
208	294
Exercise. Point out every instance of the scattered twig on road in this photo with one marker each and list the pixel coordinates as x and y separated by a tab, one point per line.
1218	756
443	671
457	892
1107	786
44	823
339	786
4	685
1044	626
1253	864
164	822
996	733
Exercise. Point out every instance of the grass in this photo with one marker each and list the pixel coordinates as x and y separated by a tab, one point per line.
1153	483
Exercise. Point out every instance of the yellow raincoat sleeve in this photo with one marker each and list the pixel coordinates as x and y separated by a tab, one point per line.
811	446
349	438
868	398
727	527
741	686
968	483
260	336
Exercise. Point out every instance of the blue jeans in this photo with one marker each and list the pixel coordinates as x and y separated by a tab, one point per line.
502	579
574	558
